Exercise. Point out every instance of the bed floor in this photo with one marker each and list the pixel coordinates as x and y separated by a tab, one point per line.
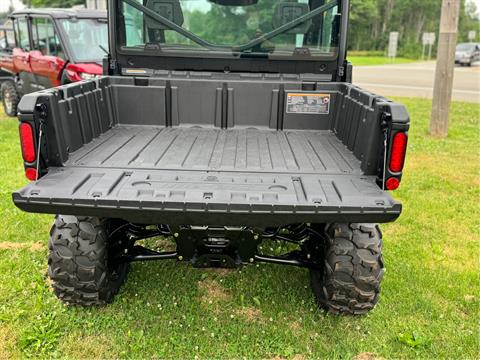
194	148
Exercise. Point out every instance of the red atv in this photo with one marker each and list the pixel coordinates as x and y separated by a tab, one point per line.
52	47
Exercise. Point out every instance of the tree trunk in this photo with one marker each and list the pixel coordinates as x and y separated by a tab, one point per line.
420	24
388	14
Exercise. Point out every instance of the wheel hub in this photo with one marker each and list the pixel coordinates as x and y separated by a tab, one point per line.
7	101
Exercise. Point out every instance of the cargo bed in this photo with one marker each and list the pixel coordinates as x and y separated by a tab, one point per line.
190	172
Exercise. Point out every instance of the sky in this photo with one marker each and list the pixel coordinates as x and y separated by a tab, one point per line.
477	2
4	4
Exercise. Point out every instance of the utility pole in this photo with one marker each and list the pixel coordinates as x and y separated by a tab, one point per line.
442	91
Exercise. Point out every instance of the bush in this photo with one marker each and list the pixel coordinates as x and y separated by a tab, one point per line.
363	53
413	50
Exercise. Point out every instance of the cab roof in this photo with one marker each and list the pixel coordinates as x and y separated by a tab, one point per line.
62	13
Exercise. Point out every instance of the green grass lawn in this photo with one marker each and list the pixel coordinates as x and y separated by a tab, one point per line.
429	306
377	60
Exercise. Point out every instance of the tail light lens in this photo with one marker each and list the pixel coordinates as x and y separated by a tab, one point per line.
31	174
27	142
392	184
399	148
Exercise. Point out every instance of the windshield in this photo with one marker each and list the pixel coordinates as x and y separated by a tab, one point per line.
267	28
84	37
465	47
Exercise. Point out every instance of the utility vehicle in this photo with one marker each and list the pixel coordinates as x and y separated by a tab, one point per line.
52	47
222	124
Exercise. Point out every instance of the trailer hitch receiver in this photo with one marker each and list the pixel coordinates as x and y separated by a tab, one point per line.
216	246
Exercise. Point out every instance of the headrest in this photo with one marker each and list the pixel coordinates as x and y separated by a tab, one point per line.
288	11
169	9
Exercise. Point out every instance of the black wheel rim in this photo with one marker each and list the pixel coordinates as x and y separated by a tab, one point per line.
8	101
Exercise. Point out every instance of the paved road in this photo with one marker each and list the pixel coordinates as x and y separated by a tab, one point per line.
416	80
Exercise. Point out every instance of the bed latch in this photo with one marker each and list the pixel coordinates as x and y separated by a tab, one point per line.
386	120
42	116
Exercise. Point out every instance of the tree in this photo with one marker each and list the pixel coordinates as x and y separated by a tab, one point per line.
372	20
4	15
53	3
468	20
364	24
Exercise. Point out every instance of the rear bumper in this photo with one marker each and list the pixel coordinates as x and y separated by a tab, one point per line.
208	198
213	214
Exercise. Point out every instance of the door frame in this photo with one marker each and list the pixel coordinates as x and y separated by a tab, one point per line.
26	79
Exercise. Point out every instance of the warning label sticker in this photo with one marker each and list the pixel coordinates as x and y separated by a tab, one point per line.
303	103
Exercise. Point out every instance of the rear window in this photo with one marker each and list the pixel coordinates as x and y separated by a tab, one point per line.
204	27
465	47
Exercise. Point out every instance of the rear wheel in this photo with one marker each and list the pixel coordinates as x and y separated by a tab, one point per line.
10	98
81	266
351	268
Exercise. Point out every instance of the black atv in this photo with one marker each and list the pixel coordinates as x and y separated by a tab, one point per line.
221	137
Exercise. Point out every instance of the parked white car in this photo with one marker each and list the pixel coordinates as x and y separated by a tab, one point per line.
467	54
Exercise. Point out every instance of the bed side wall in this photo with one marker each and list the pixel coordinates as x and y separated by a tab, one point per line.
357	124
72	116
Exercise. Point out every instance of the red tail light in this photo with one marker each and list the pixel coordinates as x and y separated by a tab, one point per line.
31	174
399	148
392	184
27	142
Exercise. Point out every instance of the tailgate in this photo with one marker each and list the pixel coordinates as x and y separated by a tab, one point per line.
207	197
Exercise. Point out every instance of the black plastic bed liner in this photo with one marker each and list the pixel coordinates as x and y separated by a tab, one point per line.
201	176
196	148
